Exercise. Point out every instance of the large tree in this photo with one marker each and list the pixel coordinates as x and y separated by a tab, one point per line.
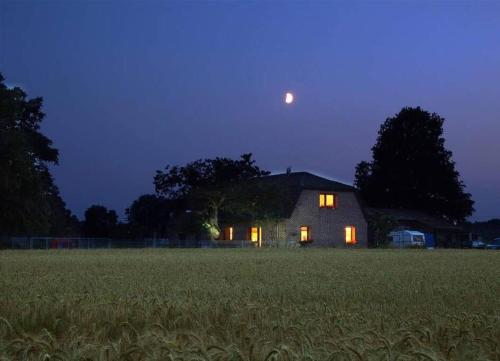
411	168
29	199
149	215
210	186
99	222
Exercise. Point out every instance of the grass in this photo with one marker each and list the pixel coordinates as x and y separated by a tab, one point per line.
250	305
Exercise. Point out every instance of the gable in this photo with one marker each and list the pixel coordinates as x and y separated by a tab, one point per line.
288	187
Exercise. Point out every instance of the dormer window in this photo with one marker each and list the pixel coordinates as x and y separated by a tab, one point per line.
327	200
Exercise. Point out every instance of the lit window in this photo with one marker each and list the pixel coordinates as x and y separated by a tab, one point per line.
305	234
228	233
327	200
350	235
256	234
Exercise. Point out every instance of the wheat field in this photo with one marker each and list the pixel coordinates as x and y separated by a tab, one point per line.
260	304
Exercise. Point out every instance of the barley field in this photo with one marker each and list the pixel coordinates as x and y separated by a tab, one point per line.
267	304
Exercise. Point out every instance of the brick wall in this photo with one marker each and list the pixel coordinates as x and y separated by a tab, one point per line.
327	224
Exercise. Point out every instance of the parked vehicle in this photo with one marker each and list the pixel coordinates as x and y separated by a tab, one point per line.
475	245
407	238
495	244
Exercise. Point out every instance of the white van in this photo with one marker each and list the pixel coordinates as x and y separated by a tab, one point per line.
407	238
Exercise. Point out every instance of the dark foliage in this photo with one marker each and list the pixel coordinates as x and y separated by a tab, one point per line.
180	181
149	215
488	230
100	222
209	187
411	168
29	200
379	227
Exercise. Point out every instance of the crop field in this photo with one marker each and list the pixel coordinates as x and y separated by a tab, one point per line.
267	304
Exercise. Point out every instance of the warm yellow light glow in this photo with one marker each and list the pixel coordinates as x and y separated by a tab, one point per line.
304	234
256	234
289	98
228	233
327	200
350	235
330	201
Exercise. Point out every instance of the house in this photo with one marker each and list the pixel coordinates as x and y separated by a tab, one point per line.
314	211
438	231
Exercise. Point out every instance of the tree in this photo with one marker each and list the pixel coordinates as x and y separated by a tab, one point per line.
99	222
379	227
411	168
61	220
209	186
487	230
29	199
149	215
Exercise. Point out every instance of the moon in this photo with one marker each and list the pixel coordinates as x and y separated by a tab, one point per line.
289	98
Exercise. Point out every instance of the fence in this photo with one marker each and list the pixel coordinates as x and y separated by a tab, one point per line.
100	243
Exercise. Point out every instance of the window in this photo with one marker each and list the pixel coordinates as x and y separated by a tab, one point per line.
305	234
228	233
256	234
350	235
327	200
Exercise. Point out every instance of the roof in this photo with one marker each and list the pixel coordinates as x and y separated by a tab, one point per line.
305	180
290	186
412	215
414	233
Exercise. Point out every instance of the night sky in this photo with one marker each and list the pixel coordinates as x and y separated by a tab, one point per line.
129	87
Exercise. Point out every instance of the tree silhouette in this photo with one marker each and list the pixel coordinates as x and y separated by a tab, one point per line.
99	222
149	215
209	186
29	199
411	168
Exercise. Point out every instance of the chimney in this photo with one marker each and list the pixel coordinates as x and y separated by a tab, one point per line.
289	170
